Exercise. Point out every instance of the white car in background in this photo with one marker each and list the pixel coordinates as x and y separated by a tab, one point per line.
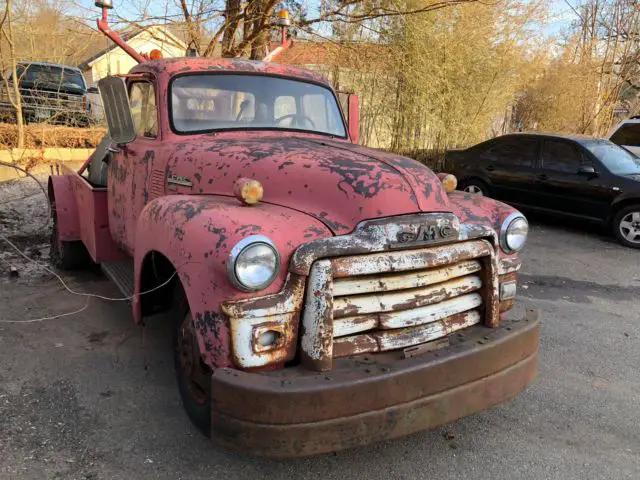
627	134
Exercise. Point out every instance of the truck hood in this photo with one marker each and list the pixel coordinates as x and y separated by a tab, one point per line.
336	182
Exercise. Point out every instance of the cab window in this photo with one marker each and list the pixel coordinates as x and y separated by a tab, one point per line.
142	100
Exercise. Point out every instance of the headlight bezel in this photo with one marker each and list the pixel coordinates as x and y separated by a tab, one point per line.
504	231
236	253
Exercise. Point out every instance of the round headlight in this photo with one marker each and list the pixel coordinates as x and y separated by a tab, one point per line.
253	263
513	234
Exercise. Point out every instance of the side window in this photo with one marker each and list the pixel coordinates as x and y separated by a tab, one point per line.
561	156
519	152
142	99
628	134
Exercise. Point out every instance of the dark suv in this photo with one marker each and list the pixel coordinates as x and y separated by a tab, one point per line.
50	93
583	177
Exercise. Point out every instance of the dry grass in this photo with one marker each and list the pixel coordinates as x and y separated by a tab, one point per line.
44	136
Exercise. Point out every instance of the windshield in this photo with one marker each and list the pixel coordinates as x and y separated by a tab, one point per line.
50	77
201	103
617	160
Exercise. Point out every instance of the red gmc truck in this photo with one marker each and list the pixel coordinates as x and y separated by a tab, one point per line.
323	295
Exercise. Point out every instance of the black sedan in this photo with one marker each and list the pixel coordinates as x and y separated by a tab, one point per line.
582	177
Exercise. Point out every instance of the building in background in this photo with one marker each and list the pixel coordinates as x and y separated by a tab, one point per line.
113	60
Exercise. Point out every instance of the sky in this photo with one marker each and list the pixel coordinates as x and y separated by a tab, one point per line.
560	11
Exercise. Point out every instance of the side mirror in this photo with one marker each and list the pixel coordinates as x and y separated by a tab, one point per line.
117	111
93	89
353	117
587	170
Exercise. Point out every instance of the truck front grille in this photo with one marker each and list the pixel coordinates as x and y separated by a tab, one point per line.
397	299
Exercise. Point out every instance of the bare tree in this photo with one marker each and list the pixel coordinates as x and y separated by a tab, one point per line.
6	29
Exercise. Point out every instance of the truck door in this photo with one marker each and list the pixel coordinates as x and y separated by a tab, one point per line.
131	166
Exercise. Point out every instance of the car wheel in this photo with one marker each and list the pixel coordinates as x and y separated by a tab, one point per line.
477	187
192	374
626	226
66	255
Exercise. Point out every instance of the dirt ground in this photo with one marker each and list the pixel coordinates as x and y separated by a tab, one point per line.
93	396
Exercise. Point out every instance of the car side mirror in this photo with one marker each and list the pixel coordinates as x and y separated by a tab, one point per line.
588	170
115	101
93	89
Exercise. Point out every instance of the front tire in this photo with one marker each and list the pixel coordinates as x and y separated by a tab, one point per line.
476	187
192	374
626	226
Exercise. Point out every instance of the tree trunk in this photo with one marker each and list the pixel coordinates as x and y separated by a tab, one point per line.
232	20
15	87
260	44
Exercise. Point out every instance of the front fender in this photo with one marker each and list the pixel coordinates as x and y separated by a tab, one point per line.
478	210
196	234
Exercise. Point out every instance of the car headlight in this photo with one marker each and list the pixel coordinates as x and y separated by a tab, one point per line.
513	233
253	263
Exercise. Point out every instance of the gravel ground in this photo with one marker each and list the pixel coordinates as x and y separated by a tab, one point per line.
93	396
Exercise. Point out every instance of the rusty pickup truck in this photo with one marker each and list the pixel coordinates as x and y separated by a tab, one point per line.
323	295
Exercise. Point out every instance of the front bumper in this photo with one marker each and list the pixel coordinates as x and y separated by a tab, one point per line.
367	398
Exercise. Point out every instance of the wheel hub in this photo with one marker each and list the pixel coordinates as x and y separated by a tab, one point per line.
630	227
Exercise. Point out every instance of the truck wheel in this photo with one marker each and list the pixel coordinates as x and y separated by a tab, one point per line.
626	226
193	375
66	255
475	186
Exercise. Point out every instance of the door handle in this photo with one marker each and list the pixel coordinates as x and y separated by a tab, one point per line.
490	168
543	176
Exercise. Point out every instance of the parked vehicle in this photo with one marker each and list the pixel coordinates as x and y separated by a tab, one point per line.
627	134
583	177
50	93
323	295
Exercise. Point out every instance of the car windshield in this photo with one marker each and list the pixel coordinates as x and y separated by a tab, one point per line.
50	77
617	160
202	103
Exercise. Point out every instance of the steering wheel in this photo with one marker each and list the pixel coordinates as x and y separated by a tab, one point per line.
296	117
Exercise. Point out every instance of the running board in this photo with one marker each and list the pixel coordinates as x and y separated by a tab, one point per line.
120	273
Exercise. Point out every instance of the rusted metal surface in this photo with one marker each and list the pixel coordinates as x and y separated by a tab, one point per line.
351	325
388	282
384	340
404	299
294	412
407	260
196	234
358	321
317	320
509	264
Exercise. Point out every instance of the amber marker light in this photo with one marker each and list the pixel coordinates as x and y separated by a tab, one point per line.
449	181
155	54
283	18
248	191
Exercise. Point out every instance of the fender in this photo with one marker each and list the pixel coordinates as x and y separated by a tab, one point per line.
622	201
196	234
66	211
484	211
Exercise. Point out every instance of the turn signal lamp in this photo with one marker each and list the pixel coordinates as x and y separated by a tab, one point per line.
283	18
449	181
248	191
155	54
